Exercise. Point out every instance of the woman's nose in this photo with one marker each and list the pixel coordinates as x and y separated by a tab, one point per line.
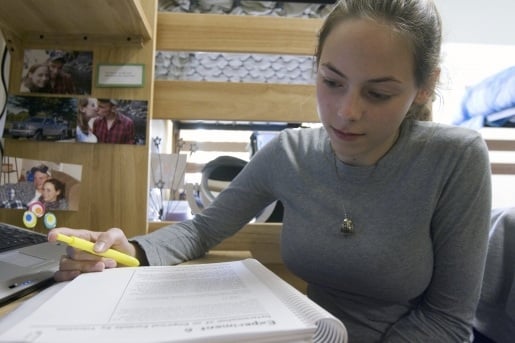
349	106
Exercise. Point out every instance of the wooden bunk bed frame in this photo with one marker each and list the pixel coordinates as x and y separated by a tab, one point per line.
501	140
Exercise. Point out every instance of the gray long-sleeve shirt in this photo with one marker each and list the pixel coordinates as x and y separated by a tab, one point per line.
412	270
495	315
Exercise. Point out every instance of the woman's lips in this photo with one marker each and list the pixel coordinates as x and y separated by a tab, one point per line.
346	135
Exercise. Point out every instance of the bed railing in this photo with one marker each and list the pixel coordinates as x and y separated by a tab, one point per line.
501	144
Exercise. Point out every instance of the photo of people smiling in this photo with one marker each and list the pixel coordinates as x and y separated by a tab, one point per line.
57	71
46	184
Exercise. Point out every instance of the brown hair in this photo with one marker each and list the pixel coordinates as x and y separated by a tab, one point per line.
82	123
59	186
417	20
28	82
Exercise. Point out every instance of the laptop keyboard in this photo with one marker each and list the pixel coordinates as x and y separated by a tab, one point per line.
13	238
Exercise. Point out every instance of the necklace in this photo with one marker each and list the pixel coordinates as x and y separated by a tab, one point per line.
347	225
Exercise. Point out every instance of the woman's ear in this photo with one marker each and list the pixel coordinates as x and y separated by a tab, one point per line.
426	92
423	96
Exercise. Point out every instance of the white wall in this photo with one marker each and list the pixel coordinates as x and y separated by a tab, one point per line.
478	22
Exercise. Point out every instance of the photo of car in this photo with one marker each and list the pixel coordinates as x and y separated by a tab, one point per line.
39	128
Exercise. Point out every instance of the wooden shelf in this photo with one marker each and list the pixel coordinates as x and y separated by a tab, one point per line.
117	32
236	33
92	22
191	100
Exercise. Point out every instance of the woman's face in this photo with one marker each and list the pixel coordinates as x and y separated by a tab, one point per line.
365	86
40	76
90	110
49	192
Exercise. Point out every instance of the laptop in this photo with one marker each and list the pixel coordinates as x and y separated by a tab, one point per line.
27	261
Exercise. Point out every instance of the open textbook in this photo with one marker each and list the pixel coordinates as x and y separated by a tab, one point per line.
240	301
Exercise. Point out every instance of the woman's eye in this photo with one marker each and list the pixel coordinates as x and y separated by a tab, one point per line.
378	95
331	83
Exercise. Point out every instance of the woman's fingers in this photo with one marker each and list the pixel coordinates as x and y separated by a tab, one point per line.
77	261
84	234
114	238
65	275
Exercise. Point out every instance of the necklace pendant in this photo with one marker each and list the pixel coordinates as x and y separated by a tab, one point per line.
347	226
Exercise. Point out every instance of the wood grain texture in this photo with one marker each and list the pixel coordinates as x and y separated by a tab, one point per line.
236	33
114	176
65	20
190	100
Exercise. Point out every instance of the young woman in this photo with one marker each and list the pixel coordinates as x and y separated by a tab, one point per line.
385	216
53	196
37	79
86	115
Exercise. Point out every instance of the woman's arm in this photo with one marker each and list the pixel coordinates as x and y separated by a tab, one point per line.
459	232
232	209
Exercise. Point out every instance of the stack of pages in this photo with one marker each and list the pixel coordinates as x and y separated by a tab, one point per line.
240	301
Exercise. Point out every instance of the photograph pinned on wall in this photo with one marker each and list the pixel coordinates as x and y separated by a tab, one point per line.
112	121
40	118
25	183
83	119
57	72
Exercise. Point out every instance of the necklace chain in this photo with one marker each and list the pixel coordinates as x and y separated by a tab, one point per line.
347	225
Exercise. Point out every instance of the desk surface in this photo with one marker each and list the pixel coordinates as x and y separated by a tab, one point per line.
13	305
210	257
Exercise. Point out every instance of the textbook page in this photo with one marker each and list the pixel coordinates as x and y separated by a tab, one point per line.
239	301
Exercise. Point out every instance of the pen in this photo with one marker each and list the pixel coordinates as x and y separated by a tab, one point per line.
85	245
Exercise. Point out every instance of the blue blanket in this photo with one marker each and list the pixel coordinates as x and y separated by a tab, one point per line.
493	95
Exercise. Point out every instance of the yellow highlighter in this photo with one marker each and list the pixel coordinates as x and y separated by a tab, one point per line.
85	245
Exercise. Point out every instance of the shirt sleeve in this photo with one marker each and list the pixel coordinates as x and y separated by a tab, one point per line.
130	132
231	210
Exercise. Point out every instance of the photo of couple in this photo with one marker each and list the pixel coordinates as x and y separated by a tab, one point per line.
57	72
110	121
54	185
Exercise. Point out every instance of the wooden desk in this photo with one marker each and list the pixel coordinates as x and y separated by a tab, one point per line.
4	310
210	257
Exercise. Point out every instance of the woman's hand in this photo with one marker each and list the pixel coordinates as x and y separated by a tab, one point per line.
77	261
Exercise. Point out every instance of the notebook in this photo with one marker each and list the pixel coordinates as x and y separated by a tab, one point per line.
27	261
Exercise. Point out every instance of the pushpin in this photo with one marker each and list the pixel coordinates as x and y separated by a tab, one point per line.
50	220
37	208
29	219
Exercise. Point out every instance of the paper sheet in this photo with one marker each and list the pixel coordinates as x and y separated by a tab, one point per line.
224	302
